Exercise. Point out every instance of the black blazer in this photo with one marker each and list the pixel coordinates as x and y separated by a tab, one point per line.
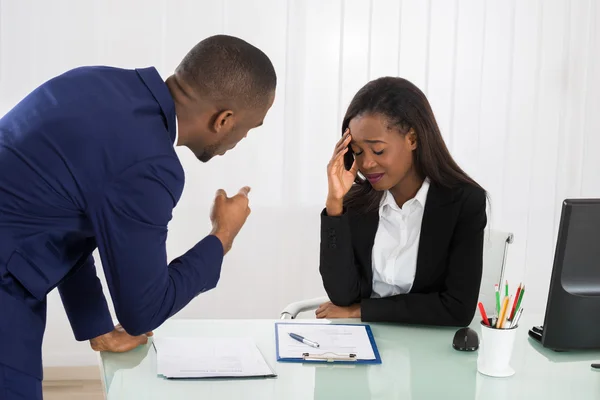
449	261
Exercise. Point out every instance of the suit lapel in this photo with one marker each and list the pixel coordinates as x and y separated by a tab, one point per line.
436	229
363	231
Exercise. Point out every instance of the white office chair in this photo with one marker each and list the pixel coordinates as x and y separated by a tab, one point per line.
495	248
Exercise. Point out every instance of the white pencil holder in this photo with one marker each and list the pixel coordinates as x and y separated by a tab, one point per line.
495	351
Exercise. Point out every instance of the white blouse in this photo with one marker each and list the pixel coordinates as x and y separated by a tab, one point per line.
396	245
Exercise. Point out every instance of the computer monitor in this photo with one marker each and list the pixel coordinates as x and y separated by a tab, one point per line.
572	320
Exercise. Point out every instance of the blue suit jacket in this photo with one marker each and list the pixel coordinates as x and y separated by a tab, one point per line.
87	161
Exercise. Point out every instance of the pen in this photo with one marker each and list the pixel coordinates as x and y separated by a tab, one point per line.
515	321
301	339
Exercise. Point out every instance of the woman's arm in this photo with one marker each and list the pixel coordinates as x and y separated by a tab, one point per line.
341	276
456	303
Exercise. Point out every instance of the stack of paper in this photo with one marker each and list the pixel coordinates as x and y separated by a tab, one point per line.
209	358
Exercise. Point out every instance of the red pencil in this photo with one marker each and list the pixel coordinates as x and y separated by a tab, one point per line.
514	307
483	314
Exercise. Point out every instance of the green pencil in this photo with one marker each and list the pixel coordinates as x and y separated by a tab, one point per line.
497	300
506	289
520	298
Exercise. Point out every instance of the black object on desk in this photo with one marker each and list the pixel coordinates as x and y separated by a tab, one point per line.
571	321
535	334
465	339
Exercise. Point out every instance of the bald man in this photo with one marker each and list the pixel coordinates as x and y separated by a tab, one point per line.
88	162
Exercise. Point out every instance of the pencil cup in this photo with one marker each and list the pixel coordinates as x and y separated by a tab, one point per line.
495	351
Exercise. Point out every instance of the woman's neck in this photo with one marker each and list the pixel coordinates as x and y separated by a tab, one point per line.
407	188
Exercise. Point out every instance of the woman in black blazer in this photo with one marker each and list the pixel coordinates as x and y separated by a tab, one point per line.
405	243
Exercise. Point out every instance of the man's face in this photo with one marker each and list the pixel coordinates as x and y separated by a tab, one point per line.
233	128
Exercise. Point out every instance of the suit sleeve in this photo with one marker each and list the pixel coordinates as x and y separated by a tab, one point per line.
456	304
341	276
84	302
130	223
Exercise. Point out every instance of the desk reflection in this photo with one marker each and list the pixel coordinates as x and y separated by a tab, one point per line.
412	370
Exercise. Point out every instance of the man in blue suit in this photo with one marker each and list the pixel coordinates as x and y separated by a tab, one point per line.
87	161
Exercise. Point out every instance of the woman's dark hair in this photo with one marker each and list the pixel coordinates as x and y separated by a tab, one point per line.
406	108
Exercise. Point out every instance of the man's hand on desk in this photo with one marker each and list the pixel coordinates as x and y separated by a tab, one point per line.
118	341
228	215
330	310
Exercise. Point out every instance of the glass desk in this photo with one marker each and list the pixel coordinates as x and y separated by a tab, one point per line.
417	363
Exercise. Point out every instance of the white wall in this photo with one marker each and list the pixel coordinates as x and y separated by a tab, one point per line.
514	85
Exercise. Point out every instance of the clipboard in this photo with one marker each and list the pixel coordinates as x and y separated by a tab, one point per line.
315	356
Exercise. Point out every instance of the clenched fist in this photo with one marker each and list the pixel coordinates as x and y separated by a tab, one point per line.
228	215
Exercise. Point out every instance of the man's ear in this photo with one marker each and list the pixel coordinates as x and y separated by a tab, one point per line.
224	122
412	139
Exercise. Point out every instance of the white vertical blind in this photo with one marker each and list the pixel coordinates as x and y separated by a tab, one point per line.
514	84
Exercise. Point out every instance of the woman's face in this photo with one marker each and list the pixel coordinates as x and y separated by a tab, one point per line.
383	154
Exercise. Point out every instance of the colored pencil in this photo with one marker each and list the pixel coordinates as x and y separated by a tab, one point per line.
502	316
483	314
514	307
